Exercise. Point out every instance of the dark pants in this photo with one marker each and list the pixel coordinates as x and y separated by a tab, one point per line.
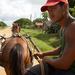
49	70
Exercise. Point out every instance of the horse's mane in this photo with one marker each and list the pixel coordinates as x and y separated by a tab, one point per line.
16	58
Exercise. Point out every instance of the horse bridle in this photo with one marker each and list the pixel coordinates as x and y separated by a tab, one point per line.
16	35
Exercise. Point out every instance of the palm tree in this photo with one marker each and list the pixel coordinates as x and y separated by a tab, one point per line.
45	16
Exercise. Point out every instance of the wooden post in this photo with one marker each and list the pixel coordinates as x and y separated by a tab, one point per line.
33	43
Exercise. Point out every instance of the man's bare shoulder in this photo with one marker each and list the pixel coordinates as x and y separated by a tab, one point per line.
71	30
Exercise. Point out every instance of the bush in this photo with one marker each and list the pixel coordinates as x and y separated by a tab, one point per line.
73	11
2	24
53	29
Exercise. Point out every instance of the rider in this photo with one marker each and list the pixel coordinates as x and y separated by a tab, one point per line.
64	64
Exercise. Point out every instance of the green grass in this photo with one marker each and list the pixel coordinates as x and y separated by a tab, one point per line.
2	28
54	42
42	45
44	41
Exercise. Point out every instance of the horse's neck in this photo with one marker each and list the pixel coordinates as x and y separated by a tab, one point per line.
15	34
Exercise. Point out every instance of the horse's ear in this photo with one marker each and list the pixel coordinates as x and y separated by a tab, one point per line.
13	24
18	24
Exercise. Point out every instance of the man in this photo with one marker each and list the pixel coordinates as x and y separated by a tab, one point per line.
64	64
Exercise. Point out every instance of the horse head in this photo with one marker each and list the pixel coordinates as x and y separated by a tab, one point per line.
16	28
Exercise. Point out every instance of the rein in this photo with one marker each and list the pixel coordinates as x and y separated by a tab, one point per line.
39	59
6	43
17	35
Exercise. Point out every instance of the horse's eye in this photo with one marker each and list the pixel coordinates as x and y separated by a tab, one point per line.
16	27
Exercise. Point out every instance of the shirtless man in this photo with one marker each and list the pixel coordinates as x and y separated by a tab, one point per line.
64	64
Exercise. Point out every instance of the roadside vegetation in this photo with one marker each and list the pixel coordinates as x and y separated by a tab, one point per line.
3	27
44	41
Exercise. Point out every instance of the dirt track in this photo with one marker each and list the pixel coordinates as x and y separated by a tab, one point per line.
8	33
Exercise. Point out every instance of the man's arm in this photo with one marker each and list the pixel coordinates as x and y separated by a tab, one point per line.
68	55
48	53
54	52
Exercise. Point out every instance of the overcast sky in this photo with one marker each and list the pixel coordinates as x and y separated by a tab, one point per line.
11	10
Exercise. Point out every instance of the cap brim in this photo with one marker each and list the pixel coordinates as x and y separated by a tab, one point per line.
44	8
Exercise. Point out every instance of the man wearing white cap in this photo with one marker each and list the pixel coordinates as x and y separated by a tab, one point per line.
64	64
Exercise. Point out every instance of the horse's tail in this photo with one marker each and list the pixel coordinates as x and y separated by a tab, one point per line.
16	60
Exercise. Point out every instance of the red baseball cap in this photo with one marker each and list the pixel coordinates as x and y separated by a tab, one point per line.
52	3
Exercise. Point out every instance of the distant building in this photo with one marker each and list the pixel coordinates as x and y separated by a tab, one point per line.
38	25
47	26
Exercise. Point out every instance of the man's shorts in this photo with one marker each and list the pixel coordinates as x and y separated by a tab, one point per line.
49	70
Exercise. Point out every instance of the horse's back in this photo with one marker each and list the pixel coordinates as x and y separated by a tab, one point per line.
9	45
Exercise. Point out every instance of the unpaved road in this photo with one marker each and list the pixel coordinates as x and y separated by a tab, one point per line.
8	33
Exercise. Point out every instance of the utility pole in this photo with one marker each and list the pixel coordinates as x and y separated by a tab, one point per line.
30	19
35	15
40	15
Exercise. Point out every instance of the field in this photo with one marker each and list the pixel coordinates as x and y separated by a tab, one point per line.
43	41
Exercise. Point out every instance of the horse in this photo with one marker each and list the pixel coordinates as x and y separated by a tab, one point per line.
16	28
16	53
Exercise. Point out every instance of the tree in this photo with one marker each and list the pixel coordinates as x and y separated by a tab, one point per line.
72	11
2	24
39	20
45	16
71	3
25	22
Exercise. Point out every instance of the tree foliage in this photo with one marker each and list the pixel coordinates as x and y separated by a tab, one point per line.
72	11
45	16
71	3
24	22
2	24
39	20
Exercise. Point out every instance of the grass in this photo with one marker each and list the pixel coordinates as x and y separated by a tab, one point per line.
43	41
2	28
42	45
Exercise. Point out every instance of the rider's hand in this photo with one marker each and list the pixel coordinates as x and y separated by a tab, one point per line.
40	54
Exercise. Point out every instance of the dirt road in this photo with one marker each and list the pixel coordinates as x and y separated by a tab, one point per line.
8	33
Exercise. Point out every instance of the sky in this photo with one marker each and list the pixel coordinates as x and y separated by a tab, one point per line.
11	10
